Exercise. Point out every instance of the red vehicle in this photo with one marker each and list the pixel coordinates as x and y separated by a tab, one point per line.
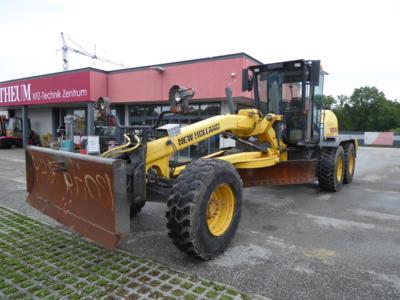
10	132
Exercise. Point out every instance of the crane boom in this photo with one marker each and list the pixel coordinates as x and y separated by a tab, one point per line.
65	49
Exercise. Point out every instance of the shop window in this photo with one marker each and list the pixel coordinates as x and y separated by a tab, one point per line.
139	123
249	104
199	149
146	110
140	110
14	124
194	110
79	120
105	127
158	109
113	111
206	109
184	154
214	144
149	122
210	109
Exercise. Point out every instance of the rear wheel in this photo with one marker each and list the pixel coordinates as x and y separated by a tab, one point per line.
331	169
204	208
350	162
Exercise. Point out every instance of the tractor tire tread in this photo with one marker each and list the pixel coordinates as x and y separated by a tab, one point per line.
348	178
327	170
180	204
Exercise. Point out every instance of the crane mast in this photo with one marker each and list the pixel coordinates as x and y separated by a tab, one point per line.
66	49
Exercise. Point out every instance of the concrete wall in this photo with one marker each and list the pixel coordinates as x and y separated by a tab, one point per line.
41	120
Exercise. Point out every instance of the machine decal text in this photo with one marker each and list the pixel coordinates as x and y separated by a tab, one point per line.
198	134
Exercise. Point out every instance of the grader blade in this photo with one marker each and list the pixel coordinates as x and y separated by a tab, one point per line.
286	172
82	192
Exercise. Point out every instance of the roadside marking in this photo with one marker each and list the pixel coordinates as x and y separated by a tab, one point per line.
249	255
17	180
391	278
321	254
271	239
339	223
145	235
381	191
304	270
371	178
325	197
377	215
18	160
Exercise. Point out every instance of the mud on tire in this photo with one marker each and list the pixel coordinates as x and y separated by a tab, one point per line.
188	203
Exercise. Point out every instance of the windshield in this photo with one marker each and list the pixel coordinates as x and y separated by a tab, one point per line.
281	92
276	90
291	90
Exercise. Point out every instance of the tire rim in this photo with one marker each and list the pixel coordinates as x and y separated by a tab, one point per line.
339	169
351	163
220	210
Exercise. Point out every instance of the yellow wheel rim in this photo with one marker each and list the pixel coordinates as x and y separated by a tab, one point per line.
339	169
220	210
351	163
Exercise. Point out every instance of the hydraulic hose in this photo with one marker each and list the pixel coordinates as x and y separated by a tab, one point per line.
106	154
132	148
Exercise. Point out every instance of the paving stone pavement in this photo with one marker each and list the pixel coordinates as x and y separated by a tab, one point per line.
41	261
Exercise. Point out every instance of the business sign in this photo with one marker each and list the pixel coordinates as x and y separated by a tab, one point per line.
58	88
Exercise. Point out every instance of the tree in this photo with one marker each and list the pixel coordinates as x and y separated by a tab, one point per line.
327	101
367	109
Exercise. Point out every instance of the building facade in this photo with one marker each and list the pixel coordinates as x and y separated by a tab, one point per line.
138	95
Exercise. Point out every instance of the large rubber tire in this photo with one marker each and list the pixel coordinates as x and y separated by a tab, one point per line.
329	169
188	205
350	162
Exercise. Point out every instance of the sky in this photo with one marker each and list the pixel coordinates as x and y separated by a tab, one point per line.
357	41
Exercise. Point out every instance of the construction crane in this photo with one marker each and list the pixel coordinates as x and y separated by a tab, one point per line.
65	49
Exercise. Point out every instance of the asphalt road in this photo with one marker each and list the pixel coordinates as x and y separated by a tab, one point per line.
294	242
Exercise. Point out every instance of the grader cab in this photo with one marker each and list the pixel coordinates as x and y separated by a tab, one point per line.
285	138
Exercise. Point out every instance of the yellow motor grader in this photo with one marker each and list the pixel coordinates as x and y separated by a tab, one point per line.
284	138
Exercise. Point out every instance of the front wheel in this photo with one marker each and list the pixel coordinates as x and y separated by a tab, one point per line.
204	208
